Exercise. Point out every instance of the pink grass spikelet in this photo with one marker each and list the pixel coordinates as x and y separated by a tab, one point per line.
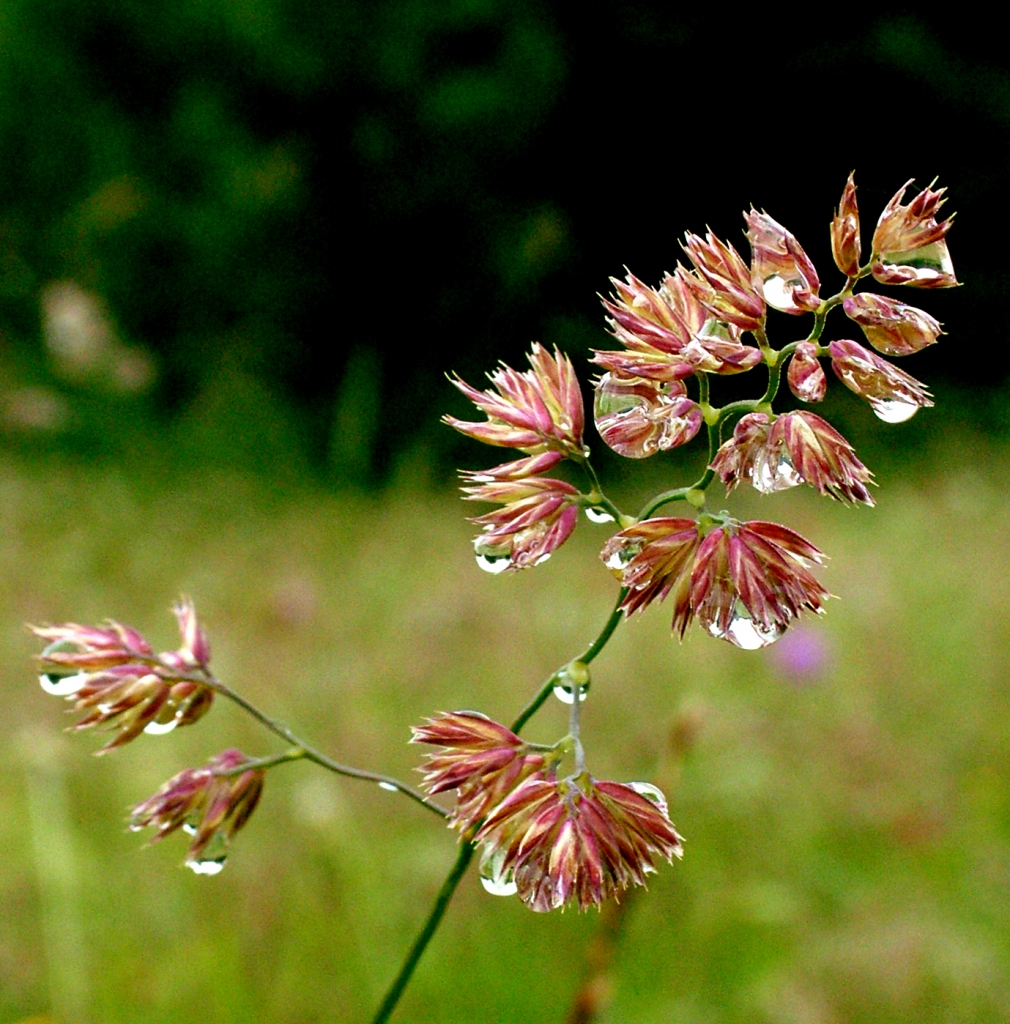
661	320
893	395
112	675
845	244
654	559
750	580
536	411
806	377
796	448
537	517
780	270
210	803
481	760
890	326
910	246
723	283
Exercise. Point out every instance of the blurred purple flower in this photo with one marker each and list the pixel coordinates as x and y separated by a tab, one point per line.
802	654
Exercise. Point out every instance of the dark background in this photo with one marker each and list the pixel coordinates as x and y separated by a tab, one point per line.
298	216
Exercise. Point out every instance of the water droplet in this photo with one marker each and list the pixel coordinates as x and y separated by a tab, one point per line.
492	558
157	728
930	263
493	564
62	682
745	632
389	787
207	865
639	417
651	793
498	887
620	558
564	693
778	292
599	515
493	877
211	859
62	685
774	471
893	411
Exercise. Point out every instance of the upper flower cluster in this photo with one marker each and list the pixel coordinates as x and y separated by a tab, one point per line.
539	410
653	395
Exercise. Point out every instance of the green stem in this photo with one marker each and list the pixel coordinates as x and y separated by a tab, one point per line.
466	850
604	501
435	916
575	729
307	752
536	702
294	754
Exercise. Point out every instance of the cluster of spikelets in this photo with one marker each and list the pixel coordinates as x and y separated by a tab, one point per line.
744	582
112	674
550	840
555	839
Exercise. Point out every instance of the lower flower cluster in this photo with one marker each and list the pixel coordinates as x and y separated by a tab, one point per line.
551	841
210	804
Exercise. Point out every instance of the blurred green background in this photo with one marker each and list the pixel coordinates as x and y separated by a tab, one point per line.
241	241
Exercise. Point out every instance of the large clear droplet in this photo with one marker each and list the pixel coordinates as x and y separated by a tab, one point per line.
930	263
651	793
745	632
638	417
492	558
389	787
778	293
893	410
565	693
774	471
599	515
495	879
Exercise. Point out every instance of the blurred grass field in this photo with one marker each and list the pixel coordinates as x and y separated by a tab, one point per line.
847	818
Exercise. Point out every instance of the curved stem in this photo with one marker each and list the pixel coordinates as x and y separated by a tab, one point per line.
435	916
306	751
604	501
575	729
319	758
